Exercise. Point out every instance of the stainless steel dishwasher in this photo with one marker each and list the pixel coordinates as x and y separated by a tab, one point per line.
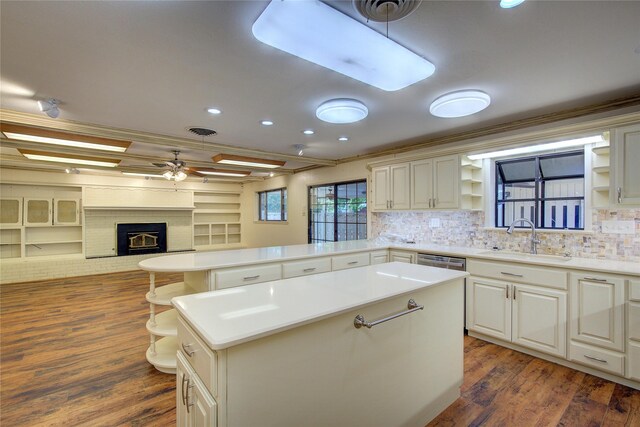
450	263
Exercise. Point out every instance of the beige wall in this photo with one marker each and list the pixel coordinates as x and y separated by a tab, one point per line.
257	234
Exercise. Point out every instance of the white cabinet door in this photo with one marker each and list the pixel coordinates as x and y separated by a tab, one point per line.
422	184
183	375
489	307
66	212
402	256
633	367
540	319
597	310
201	406
381	193
10	211
446	182
626	160
37	212
400	188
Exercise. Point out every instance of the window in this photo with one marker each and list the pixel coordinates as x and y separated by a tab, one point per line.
548	190
272	205
338	212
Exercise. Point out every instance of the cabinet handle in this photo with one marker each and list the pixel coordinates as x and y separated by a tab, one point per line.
595	279
429	202
251	277
597	359
184	401
352	263
510	274
619	194
309	270
187	349
391	203
514	292
412	306
506	288
188	404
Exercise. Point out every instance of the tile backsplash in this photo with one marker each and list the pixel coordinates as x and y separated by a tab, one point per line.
466	228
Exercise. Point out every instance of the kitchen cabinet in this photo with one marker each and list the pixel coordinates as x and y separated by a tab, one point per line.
379	257
597	310
435	183
10	212
527	315
194	406
626	155
342	262
66	212
37	212
402	256
391	187
633	305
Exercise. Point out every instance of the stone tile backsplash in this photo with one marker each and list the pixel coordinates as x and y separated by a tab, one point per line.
466	228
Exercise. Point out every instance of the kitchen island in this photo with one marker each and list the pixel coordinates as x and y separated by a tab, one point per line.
289	352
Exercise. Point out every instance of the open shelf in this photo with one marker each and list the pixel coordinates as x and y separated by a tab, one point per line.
471	184
166	324
600	180
164	358
163	294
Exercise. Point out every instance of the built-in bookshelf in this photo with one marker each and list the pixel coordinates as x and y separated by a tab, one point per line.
471	190
600	181
216	220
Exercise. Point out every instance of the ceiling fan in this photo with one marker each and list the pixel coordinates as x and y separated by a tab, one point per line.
177	169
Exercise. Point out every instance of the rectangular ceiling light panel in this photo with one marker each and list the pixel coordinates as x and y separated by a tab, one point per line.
316	32
69	159
230	159
53	137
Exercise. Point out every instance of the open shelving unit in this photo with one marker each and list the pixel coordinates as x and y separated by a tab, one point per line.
600	180
216	220
471	184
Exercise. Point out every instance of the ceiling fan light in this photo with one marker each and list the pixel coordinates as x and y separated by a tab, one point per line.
168	175
342	110
180	176
460	104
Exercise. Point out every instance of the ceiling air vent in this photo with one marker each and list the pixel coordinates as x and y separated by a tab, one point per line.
202	131
385	10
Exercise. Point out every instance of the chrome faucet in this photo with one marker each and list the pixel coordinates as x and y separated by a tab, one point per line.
534	241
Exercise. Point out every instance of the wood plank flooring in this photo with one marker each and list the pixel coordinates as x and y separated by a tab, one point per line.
72	354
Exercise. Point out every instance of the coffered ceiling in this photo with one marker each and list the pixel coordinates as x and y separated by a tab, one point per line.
153	67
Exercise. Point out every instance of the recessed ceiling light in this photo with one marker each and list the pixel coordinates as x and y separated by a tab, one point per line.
230	159
316	32
308	132
541	147
266	123
342	110
459	104
343	139
508	4
214	111
64	158
46	136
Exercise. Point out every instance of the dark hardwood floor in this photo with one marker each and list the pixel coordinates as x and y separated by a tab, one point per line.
72	353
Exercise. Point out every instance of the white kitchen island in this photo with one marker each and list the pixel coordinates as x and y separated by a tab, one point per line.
287	352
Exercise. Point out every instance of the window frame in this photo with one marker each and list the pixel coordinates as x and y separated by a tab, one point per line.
539	190
283	205
335	185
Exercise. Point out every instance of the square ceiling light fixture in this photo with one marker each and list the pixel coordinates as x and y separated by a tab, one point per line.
316	32
69	159
53	137
230	159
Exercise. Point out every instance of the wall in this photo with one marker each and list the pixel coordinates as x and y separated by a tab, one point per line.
294	231
466	228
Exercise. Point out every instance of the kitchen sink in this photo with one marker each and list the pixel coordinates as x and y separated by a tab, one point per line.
526	257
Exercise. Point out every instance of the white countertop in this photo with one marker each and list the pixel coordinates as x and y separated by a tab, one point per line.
232	316
199	261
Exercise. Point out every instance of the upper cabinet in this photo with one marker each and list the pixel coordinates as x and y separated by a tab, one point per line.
66	212
10	212
435	183
391	187
37	212
45	212
626	158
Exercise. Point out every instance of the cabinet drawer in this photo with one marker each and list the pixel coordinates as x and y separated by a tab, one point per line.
542	276
349	261
203	360
247	275
378	257
634	321
634	290
303	268
598	358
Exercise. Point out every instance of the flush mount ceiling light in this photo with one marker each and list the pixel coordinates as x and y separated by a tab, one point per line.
64	158
221	172
342	110
508	4
50	107
459	104
318	33
45	136
230	159
541	147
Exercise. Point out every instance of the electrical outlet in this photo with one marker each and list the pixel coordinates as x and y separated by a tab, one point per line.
618	227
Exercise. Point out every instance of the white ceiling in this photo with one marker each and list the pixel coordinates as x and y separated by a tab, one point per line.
155	66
